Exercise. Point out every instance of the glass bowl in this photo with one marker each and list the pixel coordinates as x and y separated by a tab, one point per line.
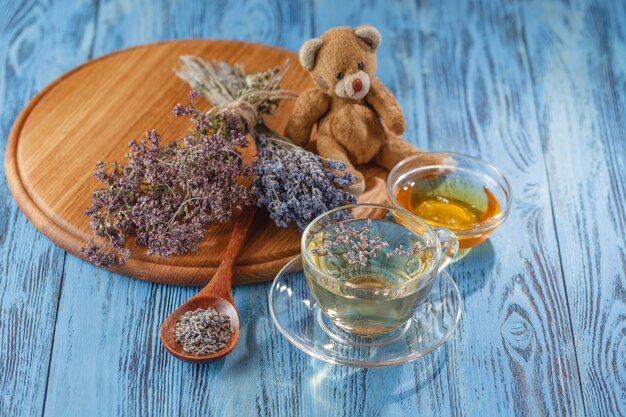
478	179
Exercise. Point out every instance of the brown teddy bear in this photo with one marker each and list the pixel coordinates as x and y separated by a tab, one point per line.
358	118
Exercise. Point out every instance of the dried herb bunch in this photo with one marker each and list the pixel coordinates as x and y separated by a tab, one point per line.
165	194
296	185
293	184
231	91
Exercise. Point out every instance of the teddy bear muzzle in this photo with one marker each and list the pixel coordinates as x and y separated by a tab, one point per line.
354	86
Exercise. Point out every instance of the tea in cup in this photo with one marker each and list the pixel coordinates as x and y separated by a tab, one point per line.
370	266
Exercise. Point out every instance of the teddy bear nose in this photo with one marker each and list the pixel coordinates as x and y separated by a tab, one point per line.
357	85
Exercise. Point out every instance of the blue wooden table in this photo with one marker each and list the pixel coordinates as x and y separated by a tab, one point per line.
536	87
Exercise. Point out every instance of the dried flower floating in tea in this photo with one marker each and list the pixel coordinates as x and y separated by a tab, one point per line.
358	246
203	332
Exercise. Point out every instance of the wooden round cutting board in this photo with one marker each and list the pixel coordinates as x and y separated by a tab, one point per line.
91	112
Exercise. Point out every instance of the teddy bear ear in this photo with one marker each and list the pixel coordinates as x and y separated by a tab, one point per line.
308	52
369	34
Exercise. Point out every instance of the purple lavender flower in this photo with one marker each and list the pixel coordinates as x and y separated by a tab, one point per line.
356	244
293	184
166	195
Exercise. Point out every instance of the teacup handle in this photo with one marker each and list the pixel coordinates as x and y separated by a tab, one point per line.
449	247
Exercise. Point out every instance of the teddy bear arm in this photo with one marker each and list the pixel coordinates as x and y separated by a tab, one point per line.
386	105
310	106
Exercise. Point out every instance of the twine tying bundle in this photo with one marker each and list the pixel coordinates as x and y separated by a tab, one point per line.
232	91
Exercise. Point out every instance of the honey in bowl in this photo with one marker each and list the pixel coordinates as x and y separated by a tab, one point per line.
457	202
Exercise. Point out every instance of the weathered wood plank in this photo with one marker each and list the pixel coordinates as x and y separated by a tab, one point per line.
107	357
514	351
272	22
264	375
479	97
108	316
578	52
37	43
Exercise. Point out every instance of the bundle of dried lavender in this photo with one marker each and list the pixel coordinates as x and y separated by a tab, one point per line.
231	91
293	184
165	195
296	185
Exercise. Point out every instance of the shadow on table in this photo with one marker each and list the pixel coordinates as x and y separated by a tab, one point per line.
474	270
266	366
334	389
265	362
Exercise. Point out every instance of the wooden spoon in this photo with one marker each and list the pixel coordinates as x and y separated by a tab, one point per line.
216	294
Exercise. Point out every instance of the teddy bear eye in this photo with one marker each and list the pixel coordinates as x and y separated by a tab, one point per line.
360	66
339	75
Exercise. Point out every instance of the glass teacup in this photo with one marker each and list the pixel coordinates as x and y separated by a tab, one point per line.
369	266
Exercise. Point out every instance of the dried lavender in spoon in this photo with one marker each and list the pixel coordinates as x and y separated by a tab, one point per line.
203	332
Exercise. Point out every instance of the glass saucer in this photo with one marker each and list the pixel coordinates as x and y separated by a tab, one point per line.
301	321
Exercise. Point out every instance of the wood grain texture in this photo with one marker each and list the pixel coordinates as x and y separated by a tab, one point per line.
514	346
579	73
49	168
37	41
104	363
536	87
